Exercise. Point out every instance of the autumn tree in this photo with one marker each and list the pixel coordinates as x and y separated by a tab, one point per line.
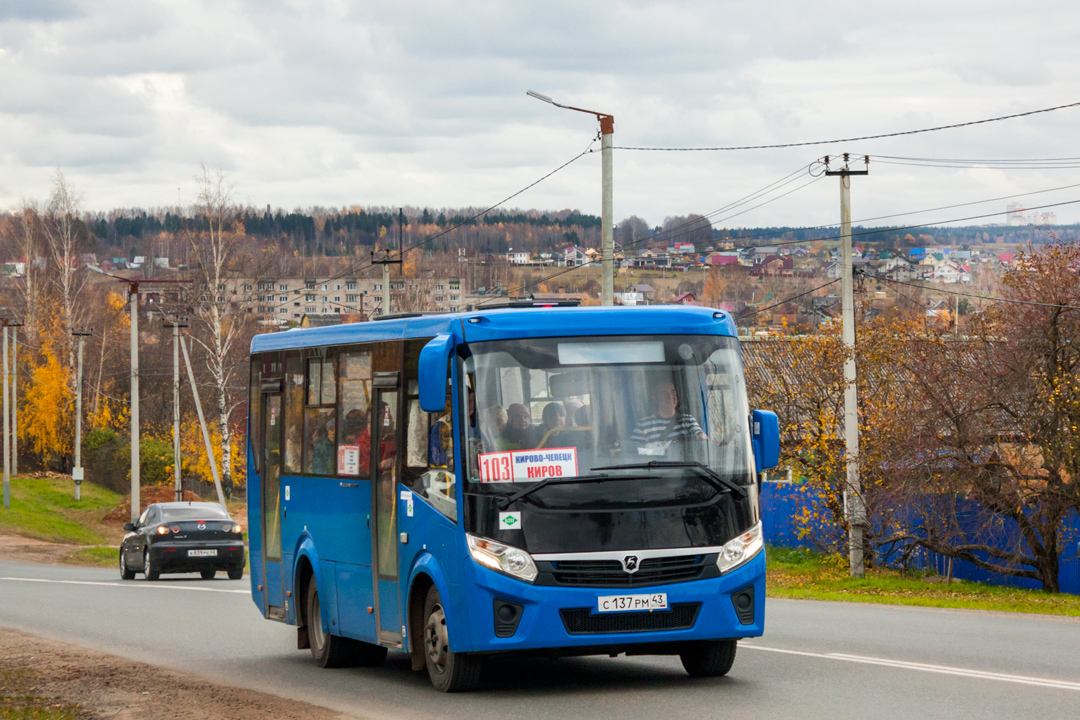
996	421
65	233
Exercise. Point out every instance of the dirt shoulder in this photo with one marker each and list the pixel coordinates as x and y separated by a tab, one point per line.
67	681
31	550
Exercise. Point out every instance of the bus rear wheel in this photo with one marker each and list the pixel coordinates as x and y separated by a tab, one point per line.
449	671
709	658
331	651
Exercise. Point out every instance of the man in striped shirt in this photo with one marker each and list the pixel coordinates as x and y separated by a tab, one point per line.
666	424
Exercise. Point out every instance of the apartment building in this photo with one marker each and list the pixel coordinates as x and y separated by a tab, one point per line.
281	301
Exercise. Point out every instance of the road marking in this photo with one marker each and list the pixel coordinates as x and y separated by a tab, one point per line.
924	667
155	586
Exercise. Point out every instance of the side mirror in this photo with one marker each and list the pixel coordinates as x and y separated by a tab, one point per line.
434	359
129	527
765	431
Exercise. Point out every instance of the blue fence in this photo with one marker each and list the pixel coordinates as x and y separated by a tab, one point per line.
784	504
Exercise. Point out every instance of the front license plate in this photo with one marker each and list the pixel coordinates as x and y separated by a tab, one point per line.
629	603
202	553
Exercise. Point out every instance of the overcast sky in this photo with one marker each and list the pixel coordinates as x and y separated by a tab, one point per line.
331	103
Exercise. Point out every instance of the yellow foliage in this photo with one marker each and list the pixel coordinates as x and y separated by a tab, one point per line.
193	452
46	422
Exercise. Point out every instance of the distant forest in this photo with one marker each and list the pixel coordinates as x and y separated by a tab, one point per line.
357	231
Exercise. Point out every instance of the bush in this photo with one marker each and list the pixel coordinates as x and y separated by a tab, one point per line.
107	458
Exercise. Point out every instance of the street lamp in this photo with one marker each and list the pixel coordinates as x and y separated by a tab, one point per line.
607	237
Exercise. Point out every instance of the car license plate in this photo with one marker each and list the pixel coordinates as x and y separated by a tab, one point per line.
202	553
629	603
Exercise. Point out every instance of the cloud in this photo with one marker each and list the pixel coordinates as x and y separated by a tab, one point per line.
337	102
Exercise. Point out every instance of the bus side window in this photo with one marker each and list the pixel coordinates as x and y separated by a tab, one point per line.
294	412
255	411
429	456
320	423
354	446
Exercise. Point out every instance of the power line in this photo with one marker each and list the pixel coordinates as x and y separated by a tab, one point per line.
853	139
745	314
989	298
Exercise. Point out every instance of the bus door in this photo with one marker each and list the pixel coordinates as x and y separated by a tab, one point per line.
386	464
273	421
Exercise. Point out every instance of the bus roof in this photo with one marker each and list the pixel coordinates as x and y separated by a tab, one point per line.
497	324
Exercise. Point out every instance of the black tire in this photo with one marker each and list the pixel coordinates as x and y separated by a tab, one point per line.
208	574
236	574
148	569
708	658
329	651
449	671
125	573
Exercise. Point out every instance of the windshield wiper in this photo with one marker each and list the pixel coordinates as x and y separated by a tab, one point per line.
707	474
506	501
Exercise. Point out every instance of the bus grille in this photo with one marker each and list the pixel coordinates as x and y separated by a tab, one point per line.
582	621
609	573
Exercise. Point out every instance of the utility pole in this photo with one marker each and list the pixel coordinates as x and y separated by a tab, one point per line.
386	262
7	419
77	471
607	235
854	503
15	398
133	301
176	407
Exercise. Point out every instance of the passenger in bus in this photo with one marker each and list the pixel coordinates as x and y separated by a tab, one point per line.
323	447
666	423
572	406
492	423
553	417
515	436
440	441
356	434
583	416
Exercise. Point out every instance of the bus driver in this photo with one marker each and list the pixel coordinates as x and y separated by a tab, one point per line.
666	423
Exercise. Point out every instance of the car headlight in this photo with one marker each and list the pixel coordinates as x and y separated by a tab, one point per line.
740	549
507	559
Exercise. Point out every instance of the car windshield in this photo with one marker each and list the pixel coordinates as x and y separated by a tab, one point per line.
577	406
204	511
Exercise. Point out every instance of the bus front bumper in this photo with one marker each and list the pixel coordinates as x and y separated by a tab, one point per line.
556	617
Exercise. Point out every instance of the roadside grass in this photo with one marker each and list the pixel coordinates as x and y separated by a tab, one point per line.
45	508
95	556
17	701
807	575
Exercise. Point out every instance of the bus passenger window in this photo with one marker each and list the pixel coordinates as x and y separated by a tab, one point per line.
354	446
320	421
294	413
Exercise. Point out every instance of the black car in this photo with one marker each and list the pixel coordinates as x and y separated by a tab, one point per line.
182	537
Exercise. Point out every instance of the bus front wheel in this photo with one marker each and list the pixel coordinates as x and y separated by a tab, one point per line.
449	671
709	658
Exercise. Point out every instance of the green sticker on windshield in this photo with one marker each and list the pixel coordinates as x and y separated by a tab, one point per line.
509	521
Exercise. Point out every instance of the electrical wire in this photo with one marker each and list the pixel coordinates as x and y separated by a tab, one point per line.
853	139
989	298
745	314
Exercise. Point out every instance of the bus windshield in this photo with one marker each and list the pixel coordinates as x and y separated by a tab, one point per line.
576	407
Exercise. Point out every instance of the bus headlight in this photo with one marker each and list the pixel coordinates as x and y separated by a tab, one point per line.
740	549
503	558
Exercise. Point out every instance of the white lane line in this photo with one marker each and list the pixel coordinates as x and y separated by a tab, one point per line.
154	586
924	667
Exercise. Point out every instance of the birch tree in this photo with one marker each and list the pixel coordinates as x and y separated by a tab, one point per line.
216	250
65	234
28	242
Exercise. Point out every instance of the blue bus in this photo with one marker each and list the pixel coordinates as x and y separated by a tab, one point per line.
516	480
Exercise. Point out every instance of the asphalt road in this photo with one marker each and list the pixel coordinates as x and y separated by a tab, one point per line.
816	660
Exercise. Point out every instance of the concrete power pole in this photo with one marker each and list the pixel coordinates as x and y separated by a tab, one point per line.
135	460
77	471
176	409
386	262
854	503
7	424
607	234
15	399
